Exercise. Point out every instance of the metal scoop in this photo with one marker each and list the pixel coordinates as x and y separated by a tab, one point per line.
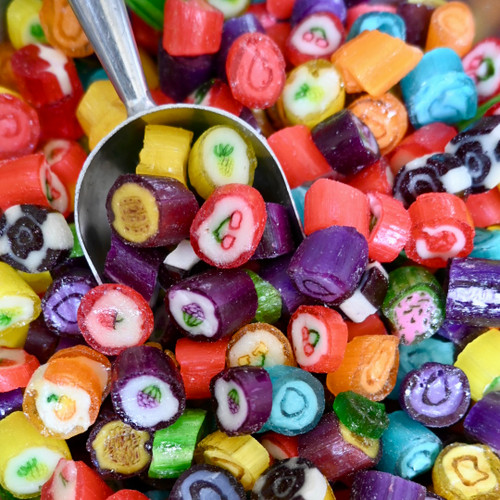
107	26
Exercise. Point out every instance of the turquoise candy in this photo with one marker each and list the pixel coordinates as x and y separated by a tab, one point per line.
438	90
408	447
486	244
298	401
414	356
386	22
299	195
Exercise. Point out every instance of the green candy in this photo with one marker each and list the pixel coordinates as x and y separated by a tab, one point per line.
360	415
150	11
268	300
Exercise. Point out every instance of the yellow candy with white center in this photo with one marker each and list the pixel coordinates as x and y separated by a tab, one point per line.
19	304
243	456
479	361
100	111
467	472
23	23
165	152
27	459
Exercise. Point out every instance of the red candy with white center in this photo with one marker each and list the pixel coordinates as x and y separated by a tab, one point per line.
229	226
113	317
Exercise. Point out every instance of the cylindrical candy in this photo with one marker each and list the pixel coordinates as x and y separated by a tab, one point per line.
383	486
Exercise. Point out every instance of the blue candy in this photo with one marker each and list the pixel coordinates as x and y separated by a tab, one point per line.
438	90
486	244
299	195
386	22
408	447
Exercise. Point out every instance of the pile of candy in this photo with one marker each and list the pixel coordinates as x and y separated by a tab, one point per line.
224	358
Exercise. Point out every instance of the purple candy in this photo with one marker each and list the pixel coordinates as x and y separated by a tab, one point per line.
416	17
304	8
376	485
482	422
11	401
435	395
41	342
329	263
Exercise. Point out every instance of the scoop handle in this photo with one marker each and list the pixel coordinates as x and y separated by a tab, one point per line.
107	26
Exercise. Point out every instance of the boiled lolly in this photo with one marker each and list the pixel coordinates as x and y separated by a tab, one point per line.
481	423
409	449
369	367
477	149
318	336
465	471
34	238
229	226
75	481
472	292
383	486
16	368
113	317
11	401
213	304
220	156
259	344
435	395
27	458
150	211
243	456
486	244
304	8
329	263
62	299
369	295
202	480
279	446
147	390
298	401
23	22
335	450
386	22
292	479
243	399
360	415
118	451
346	142
173	446
413	304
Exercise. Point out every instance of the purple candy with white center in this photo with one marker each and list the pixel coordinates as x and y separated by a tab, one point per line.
212	304
304	8
435	395
243	397
62	299
482	422
147	391
329	263
11	401
347	144
277	238
473	292
376	485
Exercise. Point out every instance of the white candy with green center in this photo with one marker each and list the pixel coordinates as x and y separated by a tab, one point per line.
15	311
27	472
232	409
307	92
194	312
148	400
126	328
315	333
60	407
228	232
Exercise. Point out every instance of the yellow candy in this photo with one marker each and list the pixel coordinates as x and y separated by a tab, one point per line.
479	361
19	304
23	23
14	336
243	456
27	459
100	111
6	90
38	281
150	69
165	152
467	472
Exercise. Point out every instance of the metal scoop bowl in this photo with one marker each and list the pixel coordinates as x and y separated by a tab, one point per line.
107	26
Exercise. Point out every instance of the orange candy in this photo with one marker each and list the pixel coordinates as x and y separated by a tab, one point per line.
369	367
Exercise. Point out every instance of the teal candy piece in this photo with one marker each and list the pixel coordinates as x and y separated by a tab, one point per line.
486	244
89	71
298	195
298	401
408	447
438	90
414	356
386	22
150	11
